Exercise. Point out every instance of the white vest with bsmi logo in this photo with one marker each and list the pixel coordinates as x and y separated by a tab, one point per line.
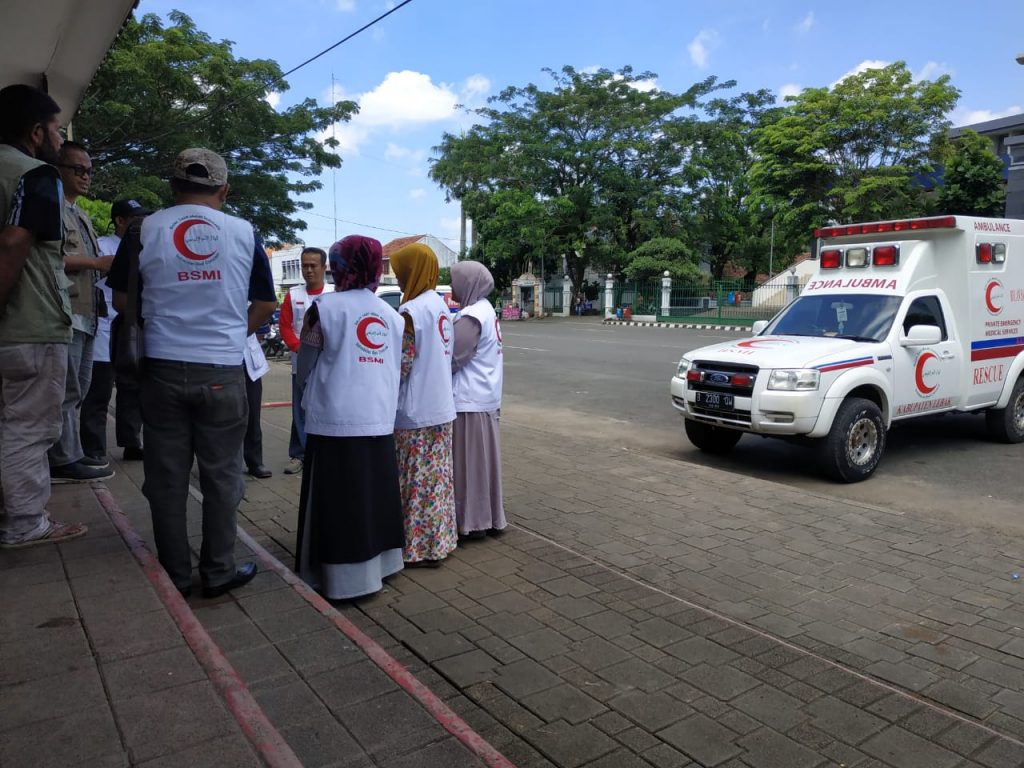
353	389
195	267
477	384
301	302
425	398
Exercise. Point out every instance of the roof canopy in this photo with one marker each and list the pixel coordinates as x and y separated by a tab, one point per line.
58	45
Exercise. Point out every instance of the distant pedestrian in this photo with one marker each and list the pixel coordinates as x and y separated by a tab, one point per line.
35	315
298	300
205	286
350	534
127	411
426	410
477	381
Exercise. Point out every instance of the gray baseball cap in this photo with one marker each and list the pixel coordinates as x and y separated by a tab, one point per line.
201	166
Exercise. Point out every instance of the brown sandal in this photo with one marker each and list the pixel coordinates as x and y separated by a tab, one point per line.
57	533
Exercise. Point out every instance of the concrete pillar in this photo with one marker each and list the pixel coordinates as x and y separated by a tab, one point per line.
609	296
666	293
566	296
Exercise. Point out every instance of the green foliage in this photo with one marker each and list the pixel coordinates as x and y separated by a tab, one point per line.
99	213
656	256
445	276
973	179
162	89
856	152
585	171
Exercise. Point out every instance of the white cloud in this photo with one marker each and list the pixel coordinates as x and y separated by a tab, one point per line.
965	117
273	98
789	89
404	99
448	230
862	67
701	46
346	5
806	23
417	193
475	87
933	69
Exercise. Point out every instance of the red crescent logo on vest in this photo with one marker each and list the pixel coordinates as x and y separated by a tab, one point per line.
497	330
993	293
923	388
444	325
363	328
183	242
752	343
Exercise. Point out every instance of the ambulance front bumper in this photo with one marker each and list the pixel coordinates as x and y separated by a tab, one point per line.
765	412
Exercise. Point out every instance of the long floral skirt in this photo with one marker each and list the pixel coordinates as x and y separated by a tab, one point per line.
428	492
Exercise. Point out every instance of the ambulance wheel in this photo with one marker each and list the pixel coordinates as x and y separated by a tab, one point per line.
712	439
1007	424
855	445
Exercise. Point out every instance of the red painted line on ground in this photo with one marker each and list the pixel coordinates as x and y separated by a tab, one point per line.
451	722
268	743
282	404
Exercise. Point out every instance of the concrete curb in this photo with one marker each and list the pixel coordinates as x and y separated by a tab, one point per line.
687	326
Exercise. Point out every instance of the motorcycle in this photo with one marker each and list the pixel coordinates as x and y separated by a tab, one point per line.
273	345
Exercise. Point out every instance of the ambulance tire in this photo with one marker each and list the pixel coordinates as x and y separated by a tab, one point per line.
712	439
856	442
1007	424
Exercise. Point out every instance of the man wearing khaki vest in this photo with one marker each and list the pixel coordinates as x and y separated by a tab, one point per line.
35	316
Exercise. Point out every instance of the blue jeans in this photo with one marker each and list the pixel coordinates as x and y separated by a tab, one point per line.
297	439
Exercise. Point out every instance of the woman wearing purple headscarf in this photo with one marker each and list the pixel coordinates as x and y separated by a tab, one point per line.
350	511
476	382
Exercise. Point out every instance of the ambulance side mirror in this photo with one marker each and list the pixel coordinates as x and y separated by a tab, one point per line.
759	326
921	336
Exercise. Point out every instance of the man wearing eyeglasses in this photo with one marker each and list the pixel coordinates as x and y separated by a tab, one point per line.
35	315
83	263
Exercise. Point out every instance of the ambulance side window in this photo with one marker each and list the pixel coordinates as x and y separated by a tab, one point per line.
925	310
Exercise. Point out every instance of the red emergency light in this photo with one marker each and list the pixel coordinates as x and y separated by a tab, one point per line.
742	380
939	222
693	375
983	252
885	256
830	259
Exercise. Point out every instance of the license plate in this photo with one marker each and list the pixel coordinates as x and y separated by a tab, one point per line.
716	401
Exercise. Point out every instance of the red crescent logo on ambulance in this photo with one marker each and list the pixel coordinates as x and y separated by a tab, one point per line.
923	388
444	324
990	299
183	243
363	328
752	343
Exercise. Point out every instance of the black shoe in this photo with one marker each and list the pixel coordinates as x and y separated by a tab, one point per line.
133	454
260	471
185	592
99	462
77	472
242	577
496	532
473	536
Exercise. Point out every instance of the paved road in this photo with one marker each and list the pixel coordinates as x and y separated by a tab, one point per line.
580	377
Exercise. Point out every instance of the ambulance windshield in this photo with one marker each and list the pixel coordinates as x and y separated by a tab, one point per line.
857	316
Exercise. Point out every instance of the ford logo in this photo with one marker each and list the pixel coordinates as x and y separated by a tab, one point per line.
718	378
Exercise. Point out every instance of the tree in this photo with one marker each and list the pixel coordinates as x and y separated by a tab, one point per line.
98	212
659	255
972	183
162	89
586	171
859	151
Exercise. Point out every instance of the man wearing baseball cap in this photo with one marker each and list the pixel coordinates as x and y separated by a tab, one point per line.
205	285
127	412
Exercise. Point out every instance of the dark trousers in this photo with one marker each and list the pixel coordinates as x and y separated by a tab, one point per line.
127	412
297	438
253	447
194	410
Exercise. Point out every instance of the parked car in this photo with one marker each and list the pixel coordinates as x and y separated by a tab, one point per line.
392	294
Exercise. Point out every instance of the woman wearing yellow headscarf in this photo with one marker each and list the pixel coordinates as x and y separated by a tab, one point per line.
426	410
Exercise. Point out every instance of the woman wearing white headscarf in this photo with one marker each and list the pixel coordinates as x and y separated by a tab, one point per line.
476	382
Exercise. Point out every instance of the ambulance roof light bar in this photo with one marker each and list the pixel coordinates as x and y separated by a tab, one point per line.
905	225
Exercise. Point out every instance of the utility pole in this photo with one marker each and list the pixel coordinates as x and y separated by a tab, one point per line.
771	250
334	171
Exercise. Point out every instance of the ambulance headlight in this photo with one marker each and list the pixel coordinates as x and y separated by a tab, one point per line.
684	366
794	379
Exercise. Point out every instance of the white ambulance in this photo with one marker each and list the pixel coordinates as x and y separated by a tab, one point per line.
902	319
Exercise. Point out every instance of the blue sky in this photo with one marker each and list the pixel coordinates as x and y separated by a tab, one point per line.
411	70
